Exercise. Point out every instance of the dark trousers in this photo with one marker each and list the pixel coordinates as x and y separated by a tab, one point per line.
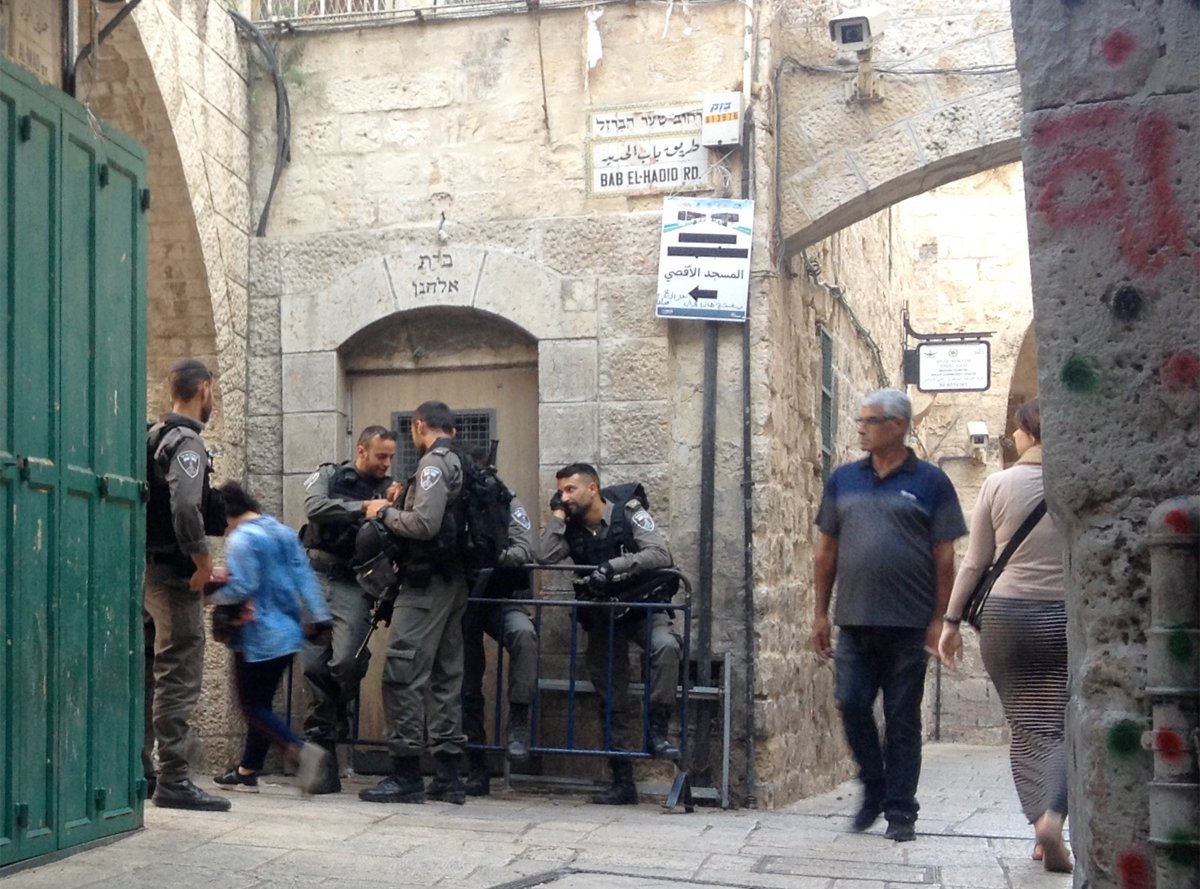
511	626
257	683
890	660
665	645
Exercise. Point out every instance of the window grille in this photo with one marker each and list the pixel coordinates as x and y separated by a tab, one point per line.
474	427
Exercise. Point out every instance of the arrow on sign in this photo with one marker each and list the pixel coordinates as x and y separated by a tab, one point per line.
696	293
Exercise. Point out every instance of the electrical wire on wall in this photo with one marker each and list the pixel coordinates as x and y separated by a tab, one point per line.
283	112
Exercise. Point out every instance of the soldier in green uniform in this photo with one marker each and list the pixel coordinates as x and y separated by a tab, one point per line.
178	565
422	678
625	543
338	498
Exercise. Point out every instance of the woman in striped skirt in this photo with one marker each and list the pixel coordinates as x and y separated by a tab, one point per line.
1024	634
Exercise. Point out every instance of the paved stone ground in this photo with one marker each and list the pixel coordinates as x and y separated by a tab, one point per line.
971	835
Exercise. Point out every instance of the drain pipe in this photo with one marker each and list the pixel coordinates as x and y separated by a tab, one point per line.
1173	686
70	44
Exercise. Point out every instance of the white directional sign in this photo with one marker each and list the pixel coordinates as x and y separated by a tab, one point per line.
704	261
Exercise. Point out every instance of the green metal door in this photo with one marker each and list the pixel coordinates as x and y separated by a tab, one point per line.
72	383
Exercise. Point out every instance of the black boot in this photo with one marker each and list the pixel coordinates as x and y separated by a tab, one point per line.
446	785
622	791
404	786
479	780
518	731
328	781
660	741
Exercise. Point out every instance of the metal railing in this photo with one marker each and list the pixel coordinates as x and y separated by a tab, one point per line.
680	791
331	14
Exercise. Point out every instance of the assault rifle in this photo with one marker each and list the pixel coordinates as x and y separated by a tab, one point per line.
381	613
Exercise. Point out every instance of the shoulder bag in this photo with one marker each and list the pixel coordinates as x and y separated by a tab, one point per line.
973	611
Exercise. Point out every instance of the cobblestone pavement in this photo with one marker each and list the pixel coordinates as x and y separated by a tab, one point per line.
971	835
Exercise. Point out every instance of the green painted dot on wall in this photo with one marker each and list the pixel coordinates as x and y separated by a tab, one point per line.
1078	375
1179	646
1125	738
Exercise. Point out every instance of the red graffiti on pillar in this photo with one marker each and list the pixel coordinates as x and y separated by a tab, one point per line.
1178	521
1117	47
1170	745
1181	371
1133	870
1086	186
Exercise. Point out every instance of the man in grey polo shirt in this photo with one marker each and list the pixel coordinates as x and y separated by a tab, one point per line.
888	525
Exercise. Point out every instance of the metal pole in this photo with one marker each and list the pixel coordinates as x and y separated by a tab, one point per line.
70	43
704	598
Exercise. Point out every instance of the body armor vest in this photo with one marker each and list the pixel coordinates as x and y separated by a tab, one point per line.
337	539
589	549
160	528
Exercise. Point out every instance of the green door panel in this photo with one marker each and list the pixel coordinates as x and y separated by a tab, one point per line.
72	521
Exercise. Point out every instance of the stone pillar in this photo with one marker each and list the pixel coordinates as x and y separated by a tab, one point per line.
1112	169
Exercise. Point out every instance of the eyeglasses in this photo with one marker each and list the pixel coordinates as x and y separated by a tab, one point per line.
873	421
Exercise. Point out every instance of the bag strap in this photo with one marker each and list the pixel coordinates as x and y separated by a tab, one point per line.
1022	532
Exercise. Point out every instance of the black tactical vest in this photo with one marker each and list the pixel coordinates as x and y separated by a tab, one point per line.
160	529
337	539
589	549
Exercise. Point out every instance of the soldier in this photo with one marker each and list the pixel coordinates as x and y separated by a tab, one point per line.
422	678
338	499
178	565
511	626
624	542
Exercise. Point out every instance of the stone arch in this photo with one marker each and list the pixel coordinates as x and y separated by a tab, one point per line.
841	162
526	299
175	79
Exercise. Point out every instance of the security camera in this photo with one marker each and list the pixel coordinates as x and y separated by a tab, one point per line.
977	431
859	29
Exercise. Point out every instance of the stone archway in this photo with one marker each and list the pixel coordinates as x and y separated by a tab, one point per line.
841	160
317	324
174	77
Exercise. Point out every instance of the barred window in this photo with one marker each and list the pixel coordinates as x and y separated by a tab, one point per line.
475	427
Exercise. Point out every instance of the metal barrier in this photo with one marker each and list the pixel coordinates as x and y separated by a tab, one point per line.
680	792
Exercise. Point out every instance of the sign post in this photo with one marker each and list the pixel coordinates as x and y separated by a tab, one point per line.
704	258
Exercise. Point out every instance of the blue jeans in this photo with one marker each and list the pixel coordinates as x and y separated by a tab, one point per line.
892	660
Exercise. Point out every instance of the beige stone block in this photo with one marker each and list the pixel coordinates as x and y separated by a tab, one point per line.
320	321
567	371
889	155
293	497
410	86
532	296
952	130
633	368
312	382
312	439
634	432
568	433
626	304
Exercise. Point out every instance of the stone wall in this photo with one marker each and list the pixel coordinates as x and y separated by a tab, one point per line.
31	36
1112	174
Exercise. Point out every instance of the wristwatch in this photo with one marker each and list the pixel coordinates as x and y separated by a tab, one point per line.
947	619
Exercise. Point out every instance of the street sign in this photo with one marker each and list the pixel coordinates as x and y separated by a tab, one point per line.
956	366
704	258
646	148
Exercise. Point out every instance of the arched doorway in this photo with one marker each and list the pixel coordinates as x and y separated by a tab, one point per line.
485	368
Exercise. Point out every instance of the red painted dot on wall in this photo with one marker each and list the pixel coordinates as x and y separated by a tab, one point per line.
1178	521
1170	746
1117	48
1133	870
1181	371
